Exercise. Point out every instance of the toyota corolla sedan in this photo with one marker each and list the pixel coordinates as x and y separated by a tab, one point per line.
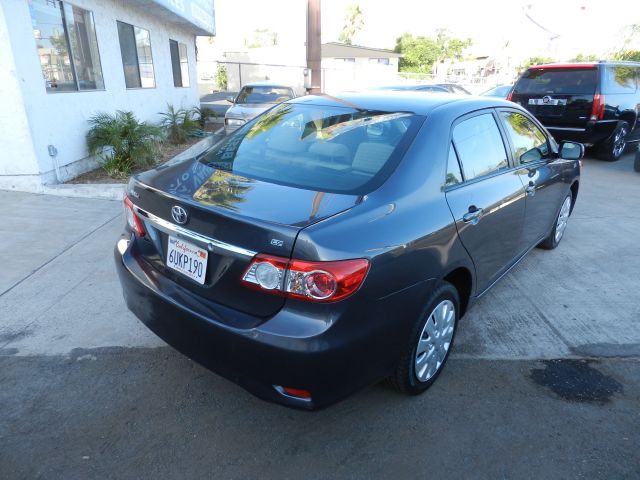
333	242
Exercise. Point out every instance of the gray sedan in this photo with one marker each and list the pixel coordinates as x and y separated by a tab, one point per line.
252	100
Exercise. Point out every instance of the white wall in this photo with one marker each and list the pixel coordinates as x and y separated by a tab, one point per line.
60	119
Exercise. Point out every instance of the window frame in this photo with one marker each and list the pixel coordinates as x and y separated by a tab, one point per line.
60	4
153	64
507	148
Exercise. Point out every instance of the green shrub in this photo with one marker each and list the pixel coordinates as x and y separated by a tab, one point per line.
221	77
203	113
122	142
178	124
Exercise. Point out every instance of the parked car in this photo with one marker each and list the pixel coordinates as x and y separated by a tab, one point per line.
252	100
314	251
593	103
499	91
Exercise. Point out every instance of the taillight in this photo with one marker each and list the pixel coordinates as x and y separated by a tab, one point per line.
313	281
132	219
510	95
597	110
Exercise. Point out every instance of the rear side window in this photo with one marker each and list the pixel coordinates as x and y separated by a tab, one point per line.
572	81
317	147
529	143
479	146
264	95
619	79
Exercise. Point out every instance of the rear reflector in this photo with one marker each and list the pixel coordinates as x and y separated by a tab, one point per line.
132	219
294	392
597	110
313	281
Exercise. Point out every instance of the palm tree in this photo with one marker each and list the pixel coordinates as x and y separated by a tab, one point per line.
353	22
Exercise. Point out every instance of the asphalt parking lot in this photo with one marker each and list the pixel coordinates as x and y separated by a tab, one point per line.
544	381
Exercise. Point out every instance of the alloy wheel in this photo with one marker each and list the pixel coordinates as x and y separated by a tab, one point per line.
619	142
435	340
563	218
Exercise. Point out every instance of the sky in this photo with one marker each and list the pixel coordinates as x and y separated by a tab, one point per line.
576	26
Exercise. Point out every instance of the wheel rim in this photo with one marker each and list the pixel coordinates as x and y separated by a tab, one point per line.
619	142
563	218
435	340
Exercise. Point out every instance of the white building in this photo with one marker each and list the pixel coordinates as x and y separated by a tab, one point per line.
63	62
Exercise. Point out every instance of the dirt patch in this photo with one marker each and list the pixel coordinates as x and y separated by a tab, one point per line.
166	152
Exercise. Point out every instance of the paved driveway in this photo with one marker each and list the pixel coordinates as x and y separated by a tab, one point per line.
544	381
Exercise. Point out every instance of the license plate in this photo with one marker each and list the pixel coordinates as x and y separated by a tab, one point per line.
188	259
547	101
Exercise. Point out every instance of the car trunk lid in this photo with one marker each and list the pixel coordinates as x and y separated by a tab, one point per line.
233	218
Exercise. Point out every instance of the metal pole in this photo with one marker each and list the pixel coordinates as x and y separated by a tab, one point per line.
314	53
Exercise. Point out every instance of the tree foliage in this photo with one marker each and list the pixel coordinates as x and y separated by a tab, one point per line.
628	55
590	57
535	61
420	54
353	22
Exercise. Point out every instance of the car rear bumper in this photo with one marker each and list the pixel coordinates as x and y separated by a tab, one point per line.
593	133
329	361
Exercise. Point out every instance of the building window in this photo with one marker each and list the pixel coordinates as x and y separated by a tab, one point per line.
379	61
346	60
66	41
179	63
137	61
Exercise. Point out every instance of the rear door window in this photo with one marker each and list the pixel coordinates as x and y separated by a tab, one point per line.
573	81
454	175
529	143
619	79
318	147
480	147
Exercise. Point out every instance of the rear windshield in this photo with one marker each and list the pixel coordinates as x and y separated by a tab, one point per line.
321	148
264	95
575	81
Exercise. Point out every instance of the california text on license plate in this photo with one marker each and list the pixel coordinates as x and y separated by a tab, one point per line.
188	259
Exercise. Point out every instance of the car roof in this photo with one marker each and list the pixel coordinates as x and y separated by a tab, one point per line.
401	101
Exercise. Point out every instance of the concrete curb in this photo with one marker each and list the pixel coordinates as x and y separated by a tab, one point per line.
115	191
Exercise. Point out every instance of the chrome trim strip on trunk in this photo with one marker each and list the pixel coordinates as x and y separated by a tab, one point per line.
209	243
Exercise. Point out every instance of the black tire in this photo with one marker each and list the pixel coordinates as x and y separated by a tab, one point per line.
404	378
636	163
613	147
551	242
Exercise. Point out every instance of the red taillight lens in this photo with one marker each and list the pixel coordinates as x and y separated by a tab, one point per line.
297	392
597	110
314	281
510	95
132	219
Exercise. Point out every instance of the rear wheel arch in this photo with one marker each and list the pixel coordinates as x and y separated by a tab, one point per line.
462	280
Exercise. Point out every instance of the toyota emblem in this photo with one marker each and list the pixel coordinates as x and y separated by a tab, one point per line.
179	214
546	99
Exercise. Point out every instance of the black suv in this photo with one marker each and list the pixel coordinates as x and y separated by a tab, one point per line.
592	103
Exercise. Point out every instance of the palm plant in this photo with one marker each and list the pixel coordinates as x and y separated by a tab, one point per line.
122	142
179	124
203	113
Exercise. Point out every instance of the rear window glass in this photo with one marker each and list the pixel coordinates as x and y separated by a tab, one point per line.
322	148
558	81
619	79
264	95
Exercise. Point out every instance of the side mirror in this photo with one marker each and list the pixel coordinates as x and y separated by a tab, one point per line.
571	150
231	99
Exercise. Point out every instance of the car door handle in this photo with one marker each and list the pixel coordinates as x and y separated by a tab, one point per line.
473	216
531	189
